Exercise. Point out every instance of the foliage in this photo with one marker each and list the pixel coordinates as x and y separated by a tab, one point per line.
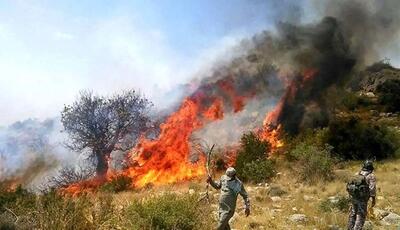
351	101
258	171
118	183
169	211
314	163
389	96
251	162
341	203
101	124
380	65
18	196
67	175
353	138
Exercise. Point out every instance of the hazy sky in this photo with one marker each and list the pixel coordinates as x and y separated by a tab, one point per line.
52	49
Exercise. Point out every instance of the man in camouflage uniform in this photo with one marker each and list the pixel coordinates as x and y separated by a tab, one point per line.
230	187
359	206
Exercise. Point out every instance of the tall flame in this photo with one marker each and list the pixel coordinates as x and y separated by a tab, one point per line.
166	159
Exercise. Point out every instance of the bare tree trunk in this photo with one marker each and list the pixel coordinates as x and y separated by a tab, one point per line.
102	165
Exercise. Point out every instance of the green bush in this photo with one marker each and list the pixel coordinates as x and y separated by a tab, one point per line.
314	163
251	162
17	197
351	101
353	138
258	171
170	211
118	183
389	96
342	204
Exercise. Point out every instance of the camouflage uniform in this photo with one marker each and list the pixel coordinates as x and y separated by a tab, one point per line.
230	188
359	207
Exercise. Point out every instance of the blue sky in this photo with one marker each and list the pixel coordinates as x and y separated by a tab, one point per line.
52	49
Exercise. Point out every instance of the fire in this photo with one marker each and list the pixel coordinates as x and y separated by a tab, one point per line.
166	159
272	135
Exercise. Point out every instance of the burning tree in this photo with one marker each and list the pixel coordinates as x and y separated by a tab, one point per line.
100	124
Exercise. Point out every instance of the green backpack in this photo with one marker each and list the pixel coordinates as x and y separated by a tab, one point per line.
357	187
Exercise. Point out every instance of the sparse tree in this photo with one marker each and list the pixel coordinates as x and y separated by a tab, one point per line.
100	124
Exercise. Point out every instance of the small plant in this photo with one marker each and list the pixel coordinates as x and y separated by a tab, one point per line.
314	163
388	95
170	211
118	183
258	171
341	203
251	162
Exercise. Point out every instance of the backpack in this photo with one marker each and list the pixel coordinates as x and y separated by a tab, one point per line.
357	187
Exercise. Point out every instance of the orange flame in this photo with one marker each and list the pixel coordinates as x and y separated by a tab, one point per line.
166	159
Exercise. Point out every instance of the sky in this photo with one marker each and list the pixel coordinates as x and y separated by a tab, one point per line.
52	49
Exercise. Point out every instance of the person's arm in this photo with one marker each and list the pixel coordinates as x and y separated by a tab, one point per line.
246	200
214	184
372	188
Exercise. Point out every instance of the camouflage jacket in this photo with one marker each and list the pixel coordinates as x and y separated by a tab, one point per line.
371	180
230	189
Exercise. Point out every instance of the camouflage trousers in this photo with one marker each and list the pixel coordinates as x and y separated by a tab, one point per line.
225	213
358	213
223	222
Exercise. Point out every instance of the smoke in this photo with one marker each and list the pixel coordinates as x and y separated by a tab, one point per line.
309	59
372	26
30	150
291	66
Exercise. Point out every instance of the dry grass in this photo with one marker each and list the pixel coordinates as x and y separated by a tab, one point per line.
306	199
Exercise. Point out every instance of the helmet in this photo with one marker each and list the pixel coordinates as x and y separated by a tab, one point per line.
230	172
368	165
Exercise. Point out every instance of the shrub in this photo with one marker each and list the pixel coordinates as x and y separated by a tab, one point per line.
118	183
16	197
388	95
251	162
356	139
351	101
170	211
314	163
342	204
258	171
380	65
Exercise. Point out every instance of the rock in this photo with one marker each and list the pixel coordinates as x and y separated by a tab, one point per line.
275	190
370	94
308	198
333	199
334	227
380	214
368	225
392	219
276	199
298	218
191	191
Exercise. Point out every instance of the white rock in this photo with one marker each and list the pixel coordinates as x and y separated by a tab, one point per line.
276	198
307	198
298	218
368	225
392	219
191	191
